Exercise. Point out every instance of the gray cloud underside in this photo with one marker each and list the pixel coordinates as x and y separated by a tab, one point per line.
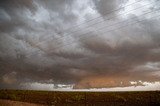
36	44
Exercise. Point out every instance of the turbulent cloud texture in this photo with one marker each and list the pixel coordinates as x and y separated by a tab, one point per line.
85	43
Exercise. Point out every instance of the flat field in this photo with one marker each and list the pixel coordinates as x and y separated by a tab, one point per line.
57	98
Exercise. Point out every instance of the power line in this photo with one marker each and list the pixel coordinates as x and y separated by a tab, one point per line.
92	20
114	10
98	22
112	25
103	32
115	16
110	30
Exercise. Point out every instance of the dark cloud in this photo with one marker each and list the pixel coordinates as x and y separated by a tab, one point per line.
106	8
38	43
14	5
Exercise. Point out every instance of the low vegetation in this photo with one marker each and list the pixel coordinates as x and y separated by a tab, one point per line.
55	98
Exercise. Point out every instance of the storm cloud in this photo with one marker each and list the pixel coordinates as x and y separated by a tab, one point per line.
85	43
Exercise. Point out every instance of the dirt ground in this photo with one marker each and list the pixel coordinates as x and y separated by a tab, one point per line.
16	103
57	98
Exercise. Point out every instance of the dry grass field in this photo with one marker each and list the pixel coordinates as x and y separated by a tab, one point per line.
57	98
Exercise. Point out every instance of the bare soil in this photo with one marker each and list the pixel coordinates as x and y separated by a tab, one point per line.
16	103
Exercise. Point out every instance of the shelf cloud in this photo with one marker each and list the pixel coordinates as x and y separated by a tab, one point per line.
88	44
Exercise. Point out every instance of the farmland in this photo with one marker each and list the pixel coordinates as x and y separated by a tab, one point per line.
57	98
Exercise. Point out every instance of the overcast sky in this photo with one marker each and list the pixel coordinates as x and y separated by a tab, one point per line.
79	43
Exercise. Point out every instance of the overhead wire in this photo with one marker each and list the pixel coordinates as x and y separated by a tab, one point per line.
89	32
97	22
102	28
